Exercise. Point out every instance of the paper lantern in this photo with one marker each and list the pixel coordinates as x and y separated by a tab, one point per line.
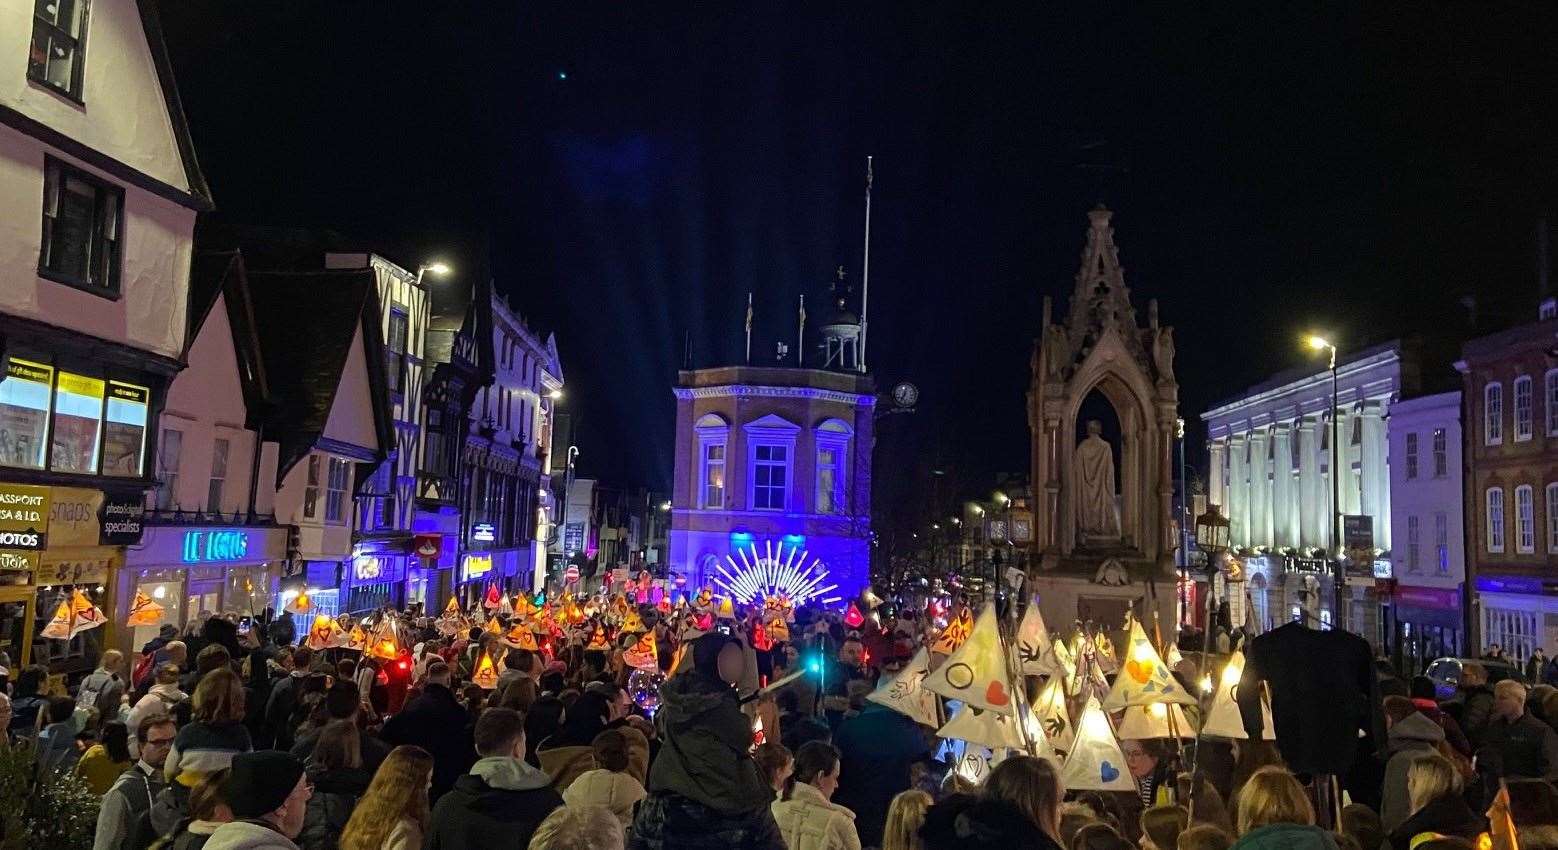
956	632
324	633
778	629
598	641
493	627
1033	648
300	604
144	611
906	693
853	618
1095	762
632	624
493	599
1152	721
644	655
976	672
1223	719
727	609
58	627
985	728
357	638
1144	678
1053	717
453	608
520	637
486	674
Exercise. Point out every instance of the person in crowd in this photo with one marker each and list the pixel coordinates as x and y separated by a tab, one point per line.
284	696
567	754
1204	836
393	814
207	810
343	702
1361	824
1514	743
336	770
609	784
970	822
1536	666
807	817
1033	786
1074	816
213	657
543	721
28	701
1148	763
124	820
215	733
878	746
578	828
164	697
1249	757
1161	826
268	794
704	788
1099	836
518	664
1472	705
1424	699
905	816
103	689
1274	813
5	717
776	763
436	722
1207	801
57	750
102	763
1436	803
847	667
520	695
1410	735
502	794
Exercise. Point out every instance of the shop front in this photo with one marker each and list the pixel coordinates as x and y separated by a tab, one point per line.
197	571
1429	623
376	578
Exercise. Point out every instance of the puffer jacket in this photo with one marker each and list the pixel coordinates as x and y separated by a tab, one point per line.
705	755
808	821
618	792
673	822
336	793
1413	736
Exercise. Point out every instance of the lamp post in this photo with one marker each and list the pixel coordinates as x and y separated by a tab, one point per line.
1319	343
1212	529
437	268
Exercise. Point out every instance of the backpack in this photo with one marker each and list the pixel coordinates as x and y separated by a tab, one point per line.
91	688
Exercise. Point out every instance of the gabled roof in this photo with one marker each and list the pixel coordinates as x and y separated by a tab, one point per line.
307	321
216	273
152	25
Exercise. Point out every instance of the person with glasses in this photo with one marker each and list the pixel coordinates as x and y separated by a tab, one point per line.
124	821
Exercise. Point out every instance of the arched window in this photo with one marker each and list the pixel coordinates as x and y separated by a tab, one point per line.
713	439
833	437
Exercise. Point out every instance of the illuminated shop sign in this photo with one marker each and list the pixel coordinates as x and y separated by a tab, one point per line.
484	531
477	565
206	546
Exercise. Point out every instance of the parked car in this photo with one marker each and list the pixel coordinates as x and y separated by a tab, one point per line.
1446	673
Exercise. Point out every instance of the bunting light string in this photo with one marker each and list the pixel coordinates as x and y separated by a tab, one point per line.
773	572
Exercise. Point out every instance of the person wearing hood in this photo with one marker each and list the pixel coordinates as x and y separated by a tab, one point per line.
1423	698
705	791
164	697
336	770
1410	735
502	795
1275	814
268	793
1438	807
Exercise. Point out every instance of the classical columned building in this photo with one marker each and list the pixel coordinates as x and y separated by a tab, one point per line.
1270	471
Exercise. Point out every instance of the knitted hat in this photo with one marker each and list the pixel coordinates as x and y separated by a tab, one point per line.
260	782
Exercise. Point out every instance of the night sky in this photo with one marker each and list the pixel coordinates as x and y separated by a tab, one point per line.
628	172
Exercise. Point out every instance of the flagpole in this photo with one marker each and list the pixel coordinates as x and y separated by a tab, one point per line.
800	336
749	329
865	272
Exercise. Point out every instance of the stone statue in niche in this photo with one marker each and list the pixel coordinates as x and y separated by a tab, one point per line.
1097	510
1163	353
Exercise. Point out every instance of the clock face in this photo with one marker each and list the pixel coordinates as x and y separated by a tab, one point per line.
906	394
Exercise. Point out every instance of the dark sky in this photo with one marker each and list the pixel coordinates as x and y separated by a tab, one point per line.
628	172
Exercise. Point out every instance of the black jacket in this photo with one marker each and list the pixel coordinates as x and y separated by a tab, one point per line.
473	812
1446	815
1323	692
1525	748
336	793
876	749
436	722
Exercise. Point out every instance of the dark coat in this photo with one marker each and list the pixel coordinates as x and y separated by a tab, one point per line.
1286	836
706	754
1323	692
473	812
1446	815
336	793
436	722
876	749
1522	748
672	822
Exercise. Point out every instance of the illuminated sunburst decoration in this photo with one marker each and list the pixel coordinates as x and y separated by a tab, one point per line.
778	570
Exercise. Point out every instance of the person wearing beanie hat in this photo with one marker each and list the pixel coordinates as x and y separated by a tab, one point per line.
268	793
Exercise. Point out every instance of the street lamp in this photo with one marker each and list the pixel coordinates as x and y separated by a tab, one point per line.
555	395
437	268
1212	532
1319	343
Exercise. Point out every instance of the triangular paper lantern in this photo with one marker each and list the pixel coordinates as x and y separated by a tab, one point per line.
1054	718
493	598
1223	719
1103	650
324	633
505	607
975	764
453	608
1095	762
357	638
58	627
144	611
779	630
976	673
1172	656
1143	678
853	618
300	604
1152	721
385	643
955	633
598	642
83	614
727	609
985	728
705	598
493	627
906	693
633	624
486	674
520	637
523	607
644	655
1032	649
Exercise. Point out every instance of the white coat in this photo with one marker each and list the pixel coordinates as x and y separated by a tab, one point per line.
809	821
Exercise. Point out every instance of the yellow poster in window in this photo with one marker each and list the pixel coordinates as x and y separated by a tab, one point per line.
81	385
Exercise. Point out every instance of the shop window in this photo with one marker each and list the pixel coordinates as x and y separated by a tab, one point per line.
80	245
311	491
169	447
24	414
218	481
124	431
78	418
335	492
54	59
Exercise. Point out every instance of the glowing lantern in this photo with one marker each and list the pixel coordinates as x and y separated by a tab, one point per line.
144	611
486	673
644	655
727	610
493	598
1144	679
452	609
1095	762
300	604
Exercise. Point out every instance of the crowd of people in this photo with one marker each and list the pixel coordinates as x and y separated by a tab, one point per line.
219	741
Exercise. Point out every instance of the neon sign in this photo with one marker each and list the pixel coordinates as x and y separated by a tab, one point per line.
207	546
795	574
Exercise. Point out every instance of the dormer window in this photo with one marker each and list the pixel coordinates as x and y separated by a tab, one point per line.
58	29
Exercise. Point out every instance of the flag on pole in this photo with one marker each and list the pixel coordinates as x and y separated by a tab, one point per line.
1095	762
976	672
906	694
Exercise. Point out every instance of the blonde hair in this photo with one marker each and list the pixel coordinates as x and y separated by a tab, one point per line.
398	790
578	828
219	697
1033	786
1271	796
1429	777
905	816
